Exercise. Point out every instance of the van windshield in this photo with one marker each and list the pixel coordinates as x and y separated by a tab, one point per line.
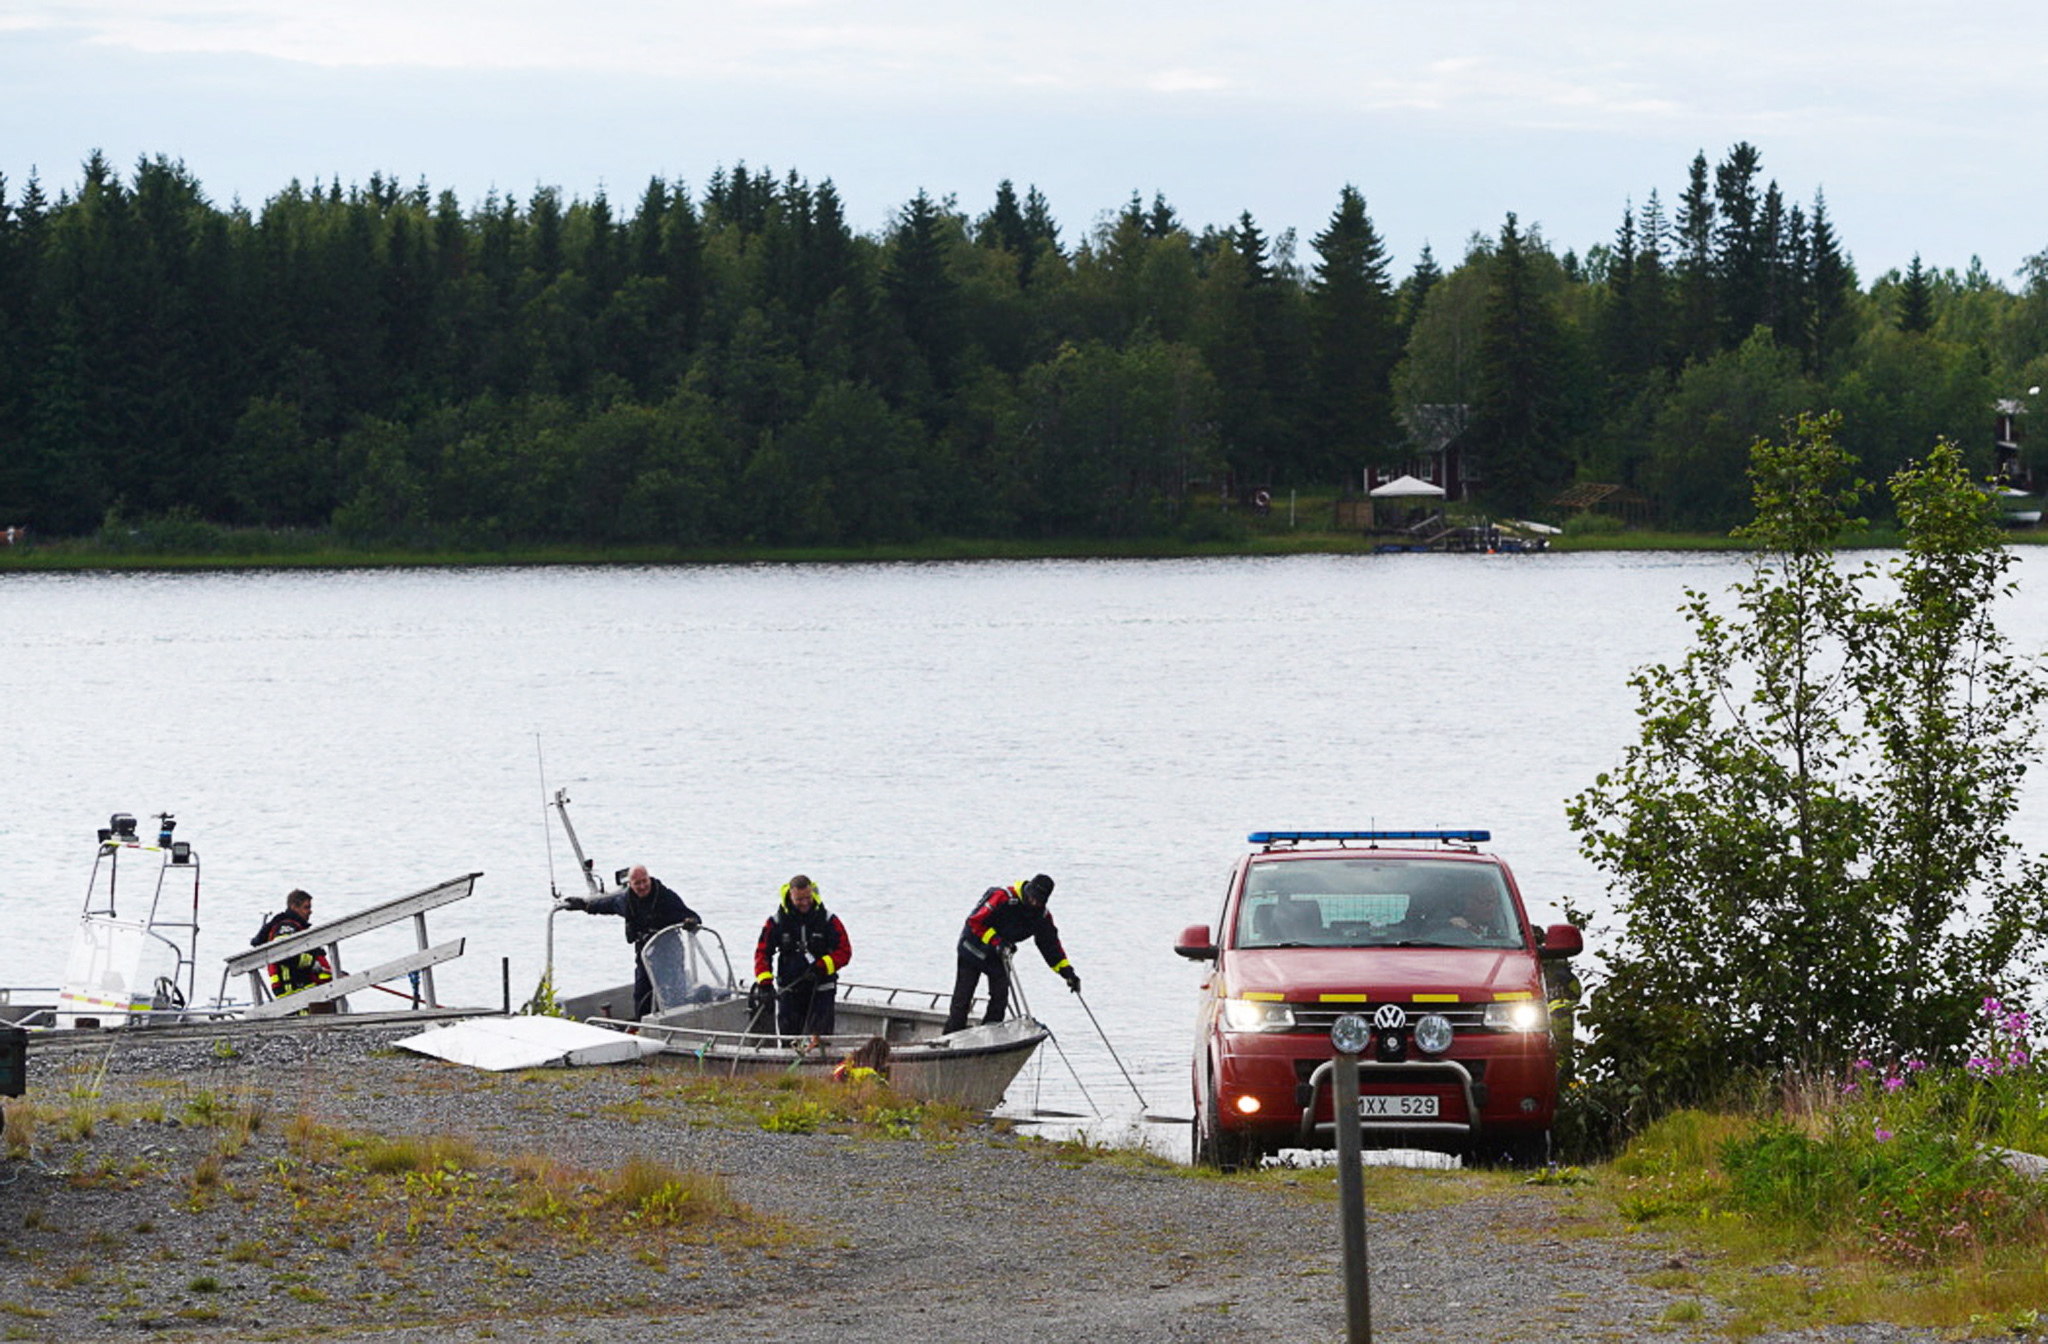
1365	901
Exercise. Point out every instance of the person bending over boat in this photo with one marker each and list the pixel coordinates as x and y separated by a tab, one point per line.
1003	920
305	970
801	951
648	907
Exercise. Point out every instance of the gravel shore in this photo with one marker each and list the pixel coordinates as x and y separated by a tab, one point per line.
122	1232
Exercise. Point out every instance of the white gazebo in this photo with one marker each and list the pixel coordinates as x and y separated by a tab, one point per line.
1407	487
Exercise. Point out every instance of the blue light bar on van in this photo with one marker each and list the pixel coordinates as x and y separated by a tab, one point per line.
1288	837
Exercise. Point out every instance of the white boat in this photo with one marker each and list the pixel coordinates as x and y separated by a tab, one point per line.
702	1013
722	1034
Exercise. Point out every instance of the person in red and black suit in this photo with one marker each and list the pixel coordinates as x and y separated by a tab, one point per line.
1004	919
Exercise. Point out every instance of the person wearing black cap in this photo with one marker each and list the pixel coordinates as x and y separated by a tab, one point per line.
1003	920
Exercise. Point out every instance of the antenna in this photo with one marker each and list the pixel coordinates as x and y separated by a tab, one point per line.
547	831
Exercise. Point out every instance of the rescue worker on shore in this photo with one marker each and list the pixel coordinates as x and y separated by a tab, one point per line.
801	951
1005	917
304	970
648	907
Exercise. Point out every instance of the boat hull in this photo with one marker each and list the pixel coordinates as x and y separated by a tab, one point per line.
971	1068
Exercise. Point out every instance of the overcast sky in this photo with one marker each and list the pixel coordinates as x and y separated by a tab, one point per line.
1924	130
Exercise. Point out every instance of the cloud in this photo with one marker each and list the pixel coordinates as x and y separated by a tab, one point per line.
1186	81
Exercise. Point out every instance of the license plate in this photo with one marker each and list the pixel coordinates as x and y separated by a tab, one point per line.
1397	1108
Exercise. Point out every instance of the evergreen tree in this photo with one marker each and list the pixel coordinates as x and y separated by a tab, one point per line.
1415	290
544	227
1624	349
1519	428
645	230
1160	220
1352	320
1039	224
603	264
1741	257
1916	299
1699	313
1831	281
921	290
1650	290
1003	225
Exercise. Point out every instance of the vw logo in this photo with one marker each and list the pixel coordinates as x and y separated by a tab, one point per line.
1390	1017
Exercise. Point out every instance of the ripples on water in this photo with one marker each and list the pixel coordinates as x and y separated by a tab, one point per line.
905	734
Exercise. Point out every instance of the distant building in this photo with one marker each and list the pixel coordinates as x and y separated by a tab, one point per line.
1436	436
2005	444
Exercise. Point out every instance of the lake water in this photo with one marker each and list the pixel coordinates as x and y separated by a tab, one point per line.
907	735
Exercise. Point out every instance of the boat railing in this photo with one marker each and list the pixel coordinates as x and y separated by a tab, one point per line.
109	977
706	1041
730	1042
328	938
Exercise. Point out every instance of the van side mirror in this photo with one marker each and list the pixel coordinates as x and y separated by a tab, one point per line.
1561	942
1196	944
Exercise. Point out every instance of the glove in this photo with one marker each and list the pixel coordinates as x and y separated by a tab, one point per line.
575	903
1073	979
692	924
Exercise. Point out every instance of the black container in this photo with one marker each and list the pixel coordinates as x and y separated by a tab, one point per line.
13	1061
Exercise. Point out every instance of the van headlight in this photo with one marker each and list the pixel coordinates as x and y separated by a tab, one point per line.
1433	1033
1252	1015
1519	1015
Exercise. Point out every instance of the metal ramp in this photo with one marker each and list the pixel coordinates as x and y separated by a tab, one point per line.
329	936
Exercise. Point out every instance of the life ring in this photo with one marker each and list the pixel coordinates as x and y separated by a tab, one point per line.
1261	499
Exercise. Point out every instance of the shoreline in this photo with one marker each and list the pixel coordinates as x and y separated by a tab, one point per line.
67	557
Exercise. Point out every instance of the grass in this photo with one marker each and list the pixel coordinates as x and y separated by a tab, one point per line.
1876	1194
1881	1189
1789	1212
18	1129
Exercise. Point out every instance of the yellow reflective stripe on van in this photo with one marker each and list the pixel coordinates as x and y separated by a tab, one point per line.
1344	998
1434	998
1263	997
1513	996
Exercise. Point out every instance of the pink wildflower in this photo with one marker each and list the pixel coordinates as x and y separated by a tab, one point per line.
1884	1136
1893	1083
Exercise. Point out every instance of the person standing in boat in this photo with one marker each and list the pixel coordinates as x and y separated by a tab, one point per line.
305	970
801	951
648	907
1002	921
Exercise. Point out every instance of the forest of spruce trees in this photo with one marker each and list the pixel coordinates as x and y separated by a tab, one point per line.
737	366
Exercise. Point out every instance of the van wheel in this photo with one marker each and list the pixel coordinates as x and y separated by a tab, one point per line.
1215	1147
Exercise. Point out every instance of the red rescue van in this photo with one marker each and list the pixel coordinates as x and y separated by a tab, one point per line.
1424	936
